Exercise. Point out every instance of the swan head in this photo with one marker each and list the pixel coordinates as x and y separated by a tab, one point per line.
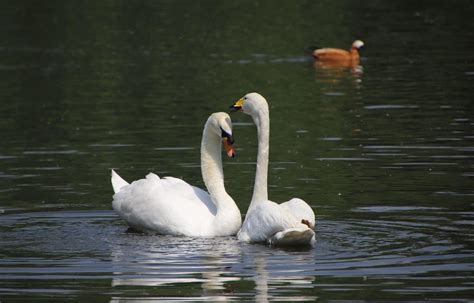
357	44
221	125
250	104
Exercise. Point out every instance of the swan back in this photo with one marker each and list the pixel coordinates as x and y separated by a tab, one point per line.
164	205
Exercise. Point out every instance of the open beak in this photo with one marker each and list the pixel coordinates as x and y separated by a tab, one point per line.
229	147
237	105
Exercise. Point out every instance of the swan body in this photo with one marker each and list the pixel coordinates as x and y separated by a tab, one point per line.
336	55
170	206
288	223
279	224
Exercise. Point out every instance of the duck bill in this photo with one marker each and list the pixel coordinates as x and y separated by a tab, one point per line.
229	148
237	105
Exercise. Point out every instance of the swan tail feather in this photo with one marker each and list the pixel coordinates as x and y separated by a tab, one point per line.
117	182
293	237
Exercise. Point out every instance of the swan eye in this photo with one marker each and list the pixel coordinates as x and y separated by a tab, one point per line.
227	136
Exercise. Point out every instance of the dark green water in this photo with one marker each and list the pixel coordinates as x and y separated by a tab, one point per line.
383	153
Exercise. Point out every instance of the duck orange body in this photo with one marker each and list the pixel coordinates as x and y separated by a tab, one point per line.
339	55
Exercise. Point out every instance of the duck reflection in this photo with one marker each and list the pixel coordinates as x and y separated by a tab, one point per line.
336	78
339	68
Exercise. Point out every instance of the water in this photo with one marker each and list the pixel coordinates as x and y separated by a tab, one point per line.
383	152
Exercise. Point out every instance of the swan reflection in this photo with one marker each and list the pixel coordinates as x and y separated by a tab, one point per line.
160	260
275	273
217	265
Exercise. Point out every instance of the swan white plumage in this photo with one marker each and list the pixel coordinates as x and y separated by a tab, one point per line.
288	223
171	206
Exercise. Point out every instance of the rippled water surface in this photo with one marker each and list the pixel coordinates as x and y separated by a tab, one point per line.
383	151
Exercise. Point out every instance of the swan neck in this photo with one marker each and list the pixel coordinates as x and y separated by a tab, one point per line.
211	167
260	190
227	216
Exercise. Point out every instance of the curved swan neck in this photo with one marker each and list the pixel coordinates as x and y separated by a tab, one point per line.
261	119
211	166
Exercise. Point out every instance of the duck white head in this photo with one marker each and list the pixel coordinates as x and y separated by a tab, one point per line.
357	44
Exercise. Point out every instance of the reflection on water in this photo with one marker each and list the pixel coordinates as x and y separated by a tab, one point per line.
174	260
218	265
392	249
337	70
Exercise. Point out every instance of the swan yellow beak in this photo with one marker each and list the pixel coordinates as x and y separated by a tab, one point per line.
237	105
229	148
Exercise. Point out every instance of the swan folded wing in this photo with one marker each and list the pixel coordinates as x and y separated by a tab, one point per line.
265	220
300	210
189	192
167	206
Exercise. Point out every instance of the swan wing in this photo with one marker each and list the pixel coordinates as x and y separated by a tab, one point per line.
189	192
167	206
302	235
278	224
300	210
263	221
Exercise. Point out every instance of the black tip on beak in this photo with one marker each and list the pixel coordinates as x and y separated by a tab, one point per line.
234	108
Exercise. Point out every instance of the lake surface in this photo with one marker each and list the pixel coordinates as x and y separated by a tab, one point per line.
383	152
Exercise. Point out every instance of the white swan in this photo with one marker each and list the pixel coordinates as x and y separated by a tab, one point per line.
171	206
288	223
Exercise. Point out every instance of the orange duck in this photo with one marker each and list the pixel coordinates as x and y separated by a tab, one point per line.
335	55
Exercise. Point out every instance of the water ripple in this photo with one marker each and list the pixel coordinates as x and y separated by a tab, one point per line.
85	245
